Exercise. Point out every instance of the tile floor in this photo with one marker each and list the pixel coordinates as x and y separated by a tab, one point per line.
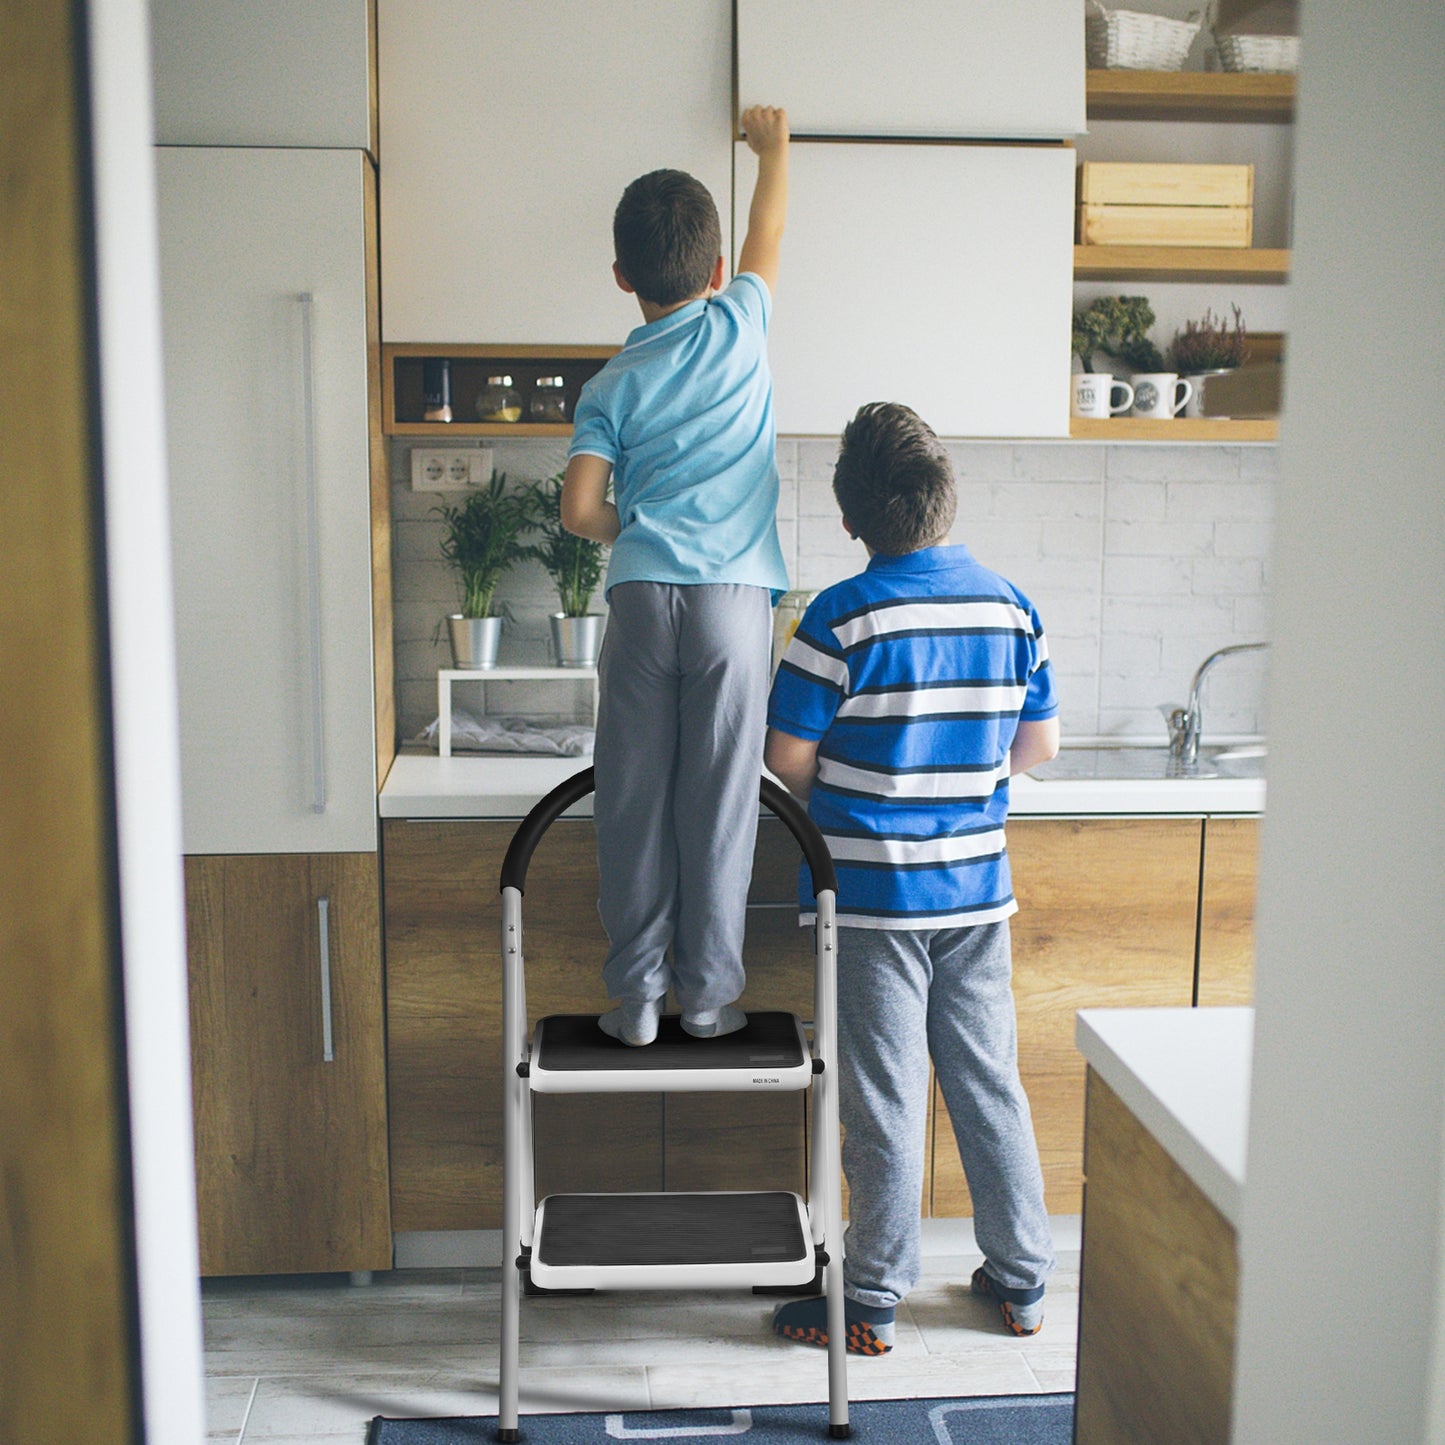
292	1360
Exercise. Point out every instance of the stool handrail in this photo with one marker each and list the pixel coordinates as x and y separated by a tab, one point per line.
571	790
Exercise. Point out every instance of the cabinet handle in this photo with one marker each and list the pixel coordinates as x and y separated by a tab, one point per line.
313	556
323	930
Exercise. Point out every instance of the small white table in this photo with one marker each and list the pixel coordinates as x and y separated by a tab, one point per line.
446	676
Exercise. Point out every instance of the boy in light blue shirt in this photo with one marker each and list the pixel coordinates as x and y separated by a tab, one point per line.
680	422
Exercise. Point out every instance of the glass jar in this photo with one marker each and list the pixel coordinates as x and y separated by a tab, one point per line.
548	401
499	400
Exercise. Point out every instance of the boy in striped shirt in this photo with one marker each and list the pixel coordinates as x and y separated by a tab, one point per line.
908	697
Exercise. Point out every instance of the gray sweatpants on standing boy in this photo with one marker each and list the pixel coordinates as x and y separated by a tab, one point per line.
683	683
904	996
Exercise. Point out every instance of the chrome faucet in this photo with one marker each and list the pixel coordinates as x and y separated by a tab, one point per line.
1186	723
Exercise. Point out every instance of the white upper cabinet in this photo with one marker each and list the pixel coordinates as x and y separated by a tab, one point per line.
935	275
966	69
263	72
263	289
508	133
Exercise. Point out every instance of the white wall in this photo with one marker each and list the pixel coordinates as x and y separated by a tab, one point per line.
146	748
1340	1318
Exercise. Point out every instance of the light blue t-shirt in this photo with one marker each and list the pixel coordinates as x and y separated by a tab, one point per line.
684	412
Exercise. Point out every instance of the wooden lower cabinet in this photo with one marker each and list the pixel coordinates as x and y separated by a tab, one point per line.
291	1146
1226	911
1157	1296
1106	920
443	917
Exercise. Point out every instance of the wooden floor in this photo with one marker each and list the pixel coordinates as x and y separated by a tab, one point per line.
314	1358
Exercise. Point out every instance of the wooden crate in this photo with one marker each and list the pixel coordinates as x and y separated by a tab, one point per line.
1153	204
1127	183
1166	226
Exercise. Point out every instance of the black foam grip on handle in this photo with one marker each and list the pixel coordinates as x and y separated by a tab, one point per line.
571	790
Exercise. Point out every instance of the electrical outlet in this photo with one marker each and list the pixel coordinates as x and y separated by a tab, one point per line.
449	469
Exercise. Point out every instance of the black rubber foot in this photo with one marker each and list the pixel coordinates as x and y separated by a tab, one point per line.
840	1432
509	1434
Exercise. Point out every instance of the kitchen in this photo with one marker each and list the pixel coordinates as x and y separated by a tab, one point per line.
1004	458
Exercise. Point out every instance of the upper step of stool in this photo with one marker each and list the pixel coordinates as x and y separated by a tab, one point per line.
571	1055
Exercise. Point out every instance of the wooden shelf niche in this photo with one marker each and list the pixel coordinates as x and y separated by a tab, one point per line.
471	365
1206	95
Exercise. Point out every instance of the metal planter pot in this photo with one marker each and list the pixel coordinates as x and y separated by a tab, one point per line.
576	641
474	640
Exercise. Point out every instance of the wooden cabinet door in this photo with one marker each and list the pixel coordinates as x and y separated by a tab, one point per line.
291	1146
508	136
266	73
1226	911
269	455
938	274
1106	920
929	68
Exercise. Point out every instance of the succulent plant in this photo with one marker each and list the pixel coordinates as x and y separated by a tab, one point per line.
1118	326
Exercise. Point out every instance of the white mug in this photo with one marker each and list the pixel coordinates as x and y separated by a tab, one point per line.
1161	394
1094	392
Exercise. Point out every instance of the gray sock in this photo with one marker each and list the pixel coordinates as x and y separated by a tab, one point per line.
713	1023
633	1021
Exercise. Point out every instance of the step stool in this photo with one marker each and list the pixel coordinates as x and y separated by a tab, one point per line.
713	1240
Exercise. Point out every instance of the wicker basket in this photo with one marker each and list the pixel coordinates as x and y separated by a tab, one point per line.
1135	40
1274	53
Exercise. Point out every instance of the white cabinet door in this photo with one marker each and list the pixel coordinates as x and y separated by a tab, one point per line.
262	73
935	275
509	132
272	555
1000	69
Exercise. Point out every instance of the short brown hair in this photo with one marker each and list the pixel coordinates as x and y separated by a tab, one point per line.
666	235
893	479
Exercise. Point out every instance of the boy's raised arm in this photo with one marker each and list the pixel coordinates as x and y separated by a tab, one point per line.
766	130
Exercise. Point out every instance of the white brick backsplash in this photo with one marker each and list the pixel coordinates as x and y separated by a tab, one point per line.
981	461
1243	539
1058	462
1158	539
1259	463
1047	501
1218	502
1140	558
1148	576
1170	463
1069	539
1134	501
1221	576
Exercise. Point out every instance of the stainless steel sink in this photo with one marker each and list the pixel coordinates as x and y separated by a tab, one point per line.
1144	763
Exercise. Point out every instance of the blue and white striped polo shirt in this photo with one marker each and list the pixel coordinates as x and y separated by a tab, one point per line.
914	675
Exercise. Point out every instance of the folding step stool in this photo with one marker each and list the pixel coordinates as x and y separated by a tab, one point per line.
719	1240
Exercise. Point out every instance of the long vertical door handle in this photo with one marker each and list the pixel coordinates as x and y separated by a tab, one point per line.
323	932
313	556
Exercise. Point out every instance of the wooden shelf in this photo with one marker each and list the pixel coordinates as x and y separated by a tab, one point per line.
1181	263
1178	429
401	363
1188	95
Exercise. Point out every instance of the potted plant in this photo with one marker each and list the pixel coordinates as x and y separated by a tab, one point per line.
1119	327
575	565
1207	347
482	540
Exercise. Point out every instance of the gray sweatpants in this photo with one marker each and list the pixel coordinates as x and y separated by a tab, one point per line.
904	996
683	682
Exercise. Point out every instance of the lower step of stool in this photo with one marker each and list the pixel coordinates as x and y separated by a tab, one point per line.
671	1241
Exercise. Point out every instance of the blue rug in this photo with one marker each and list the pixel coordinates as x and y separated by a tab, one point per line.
986	1420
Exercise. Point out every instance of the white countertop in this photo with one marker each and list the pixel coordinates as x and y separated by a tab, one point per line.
423	785
1184	1074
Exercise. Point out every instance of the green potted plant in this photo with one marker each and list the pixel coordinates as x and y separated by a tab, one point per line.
1119	327
575	565
1207	347
482	539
